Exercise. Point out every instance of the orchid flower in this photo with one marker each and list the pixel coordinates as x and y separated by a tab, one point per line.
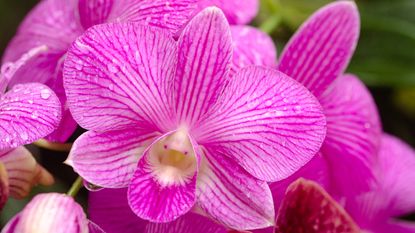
306	207
316	56
237	12
27	112
110	210
51	213
56	24
166	121
393	194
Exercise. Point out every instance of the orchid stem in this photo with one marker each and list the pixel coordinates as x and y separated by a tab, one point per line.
76	186
61	147
275	18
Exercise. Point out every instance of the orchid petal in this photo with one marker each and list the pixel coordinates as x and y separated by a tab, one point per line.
94	228
166	14
50	213
23	172
396	227
189	223
321	49
110	210
232	196
27	112
237	12
353	134
205	49
315	170
108	159
4	185
124	84
162	192
393	195
52	23
252	47
308	208
93	12
267	122
11	225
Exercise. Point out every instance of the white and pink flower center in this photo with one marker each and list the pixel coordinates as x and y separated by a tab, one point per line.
172	159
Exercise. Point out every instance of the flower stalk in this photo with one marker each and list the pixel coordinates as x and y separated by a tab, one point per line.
76	186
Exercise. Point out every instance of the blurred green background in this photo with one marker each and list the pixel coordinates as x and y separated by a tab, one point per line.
384	60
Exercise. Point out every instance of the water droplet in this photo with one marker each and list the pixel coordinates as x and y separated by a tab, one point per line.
111	87
30	101
45	94
268	103
34	115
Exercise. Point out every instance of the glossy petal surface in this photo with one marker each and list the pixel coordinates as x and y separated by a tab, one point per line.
124	84
109	159
51	213
232	196
308	208
92	12
267	122
205	50
252	47
321	49
27	112
353	134
237	12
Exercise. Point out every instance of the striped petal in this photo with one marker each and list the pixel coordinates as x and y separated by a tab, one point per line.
353	134
205	49
189	223
166	14
237	12
109	159
110	210
163	187
50	213
28	112
231	196
321	49
267	122
252	47
93	12
23	172
94	228
308	208
52	23
118	76
4	185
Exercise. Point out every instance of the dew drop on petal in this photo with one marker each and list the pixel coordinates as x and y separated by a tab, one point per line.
24	136
45	94
112	68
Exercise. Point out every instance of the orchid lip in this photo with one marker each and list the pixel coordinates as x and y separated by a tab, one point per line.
172	159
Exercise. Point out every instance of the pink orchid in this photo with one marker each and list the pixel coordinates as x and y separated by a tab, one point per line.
166	121
316	56
237	12
392	195
306	207
110	210
51	213
56	24
27	113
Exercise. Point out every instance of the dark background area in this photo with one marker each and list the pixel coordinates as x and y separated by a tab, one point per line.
384	60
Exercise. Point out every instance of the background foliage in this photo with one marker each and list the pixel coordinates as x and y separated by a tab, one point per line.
384	60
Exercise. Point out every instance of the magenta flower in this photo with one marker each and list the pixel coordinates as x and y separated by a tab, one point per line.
51	213
56	24
316	56
110	210
236	12
167	122
392	195
27	113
